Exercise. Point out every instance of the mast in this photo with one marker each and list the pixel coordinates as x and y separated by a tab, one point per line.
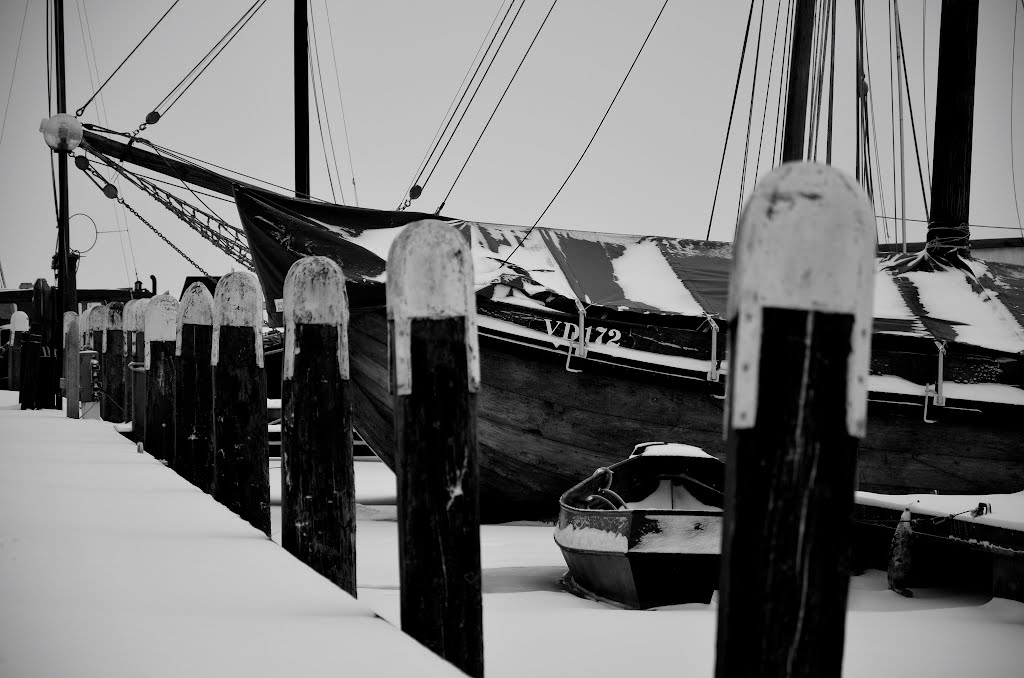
948	230
301	77
799	76
65	268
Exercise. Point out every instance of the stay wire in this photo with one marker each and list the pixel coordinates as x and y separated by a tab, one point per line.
81	110
750	116
207	59
14	73
460	94
732	111
786	64
313	58
593	136
494	57
764	112
924	84
910	107
831	88
341	102
1013	164
496	106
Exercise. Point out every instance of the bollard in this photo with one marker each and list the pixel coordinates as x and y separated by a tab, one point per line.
800	318
135	319
47	369
435	376
19	328
112	405
242	481
318	508
130	318
193	388
97	320
161	323
72	347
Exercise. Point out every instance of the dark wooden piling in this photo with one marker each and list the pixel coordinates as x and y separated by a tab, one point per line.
112	380
161	325
434	382
800	317
242	481
19	328
97	320
72	377
47	323
137	367
129	318
318	523
193	389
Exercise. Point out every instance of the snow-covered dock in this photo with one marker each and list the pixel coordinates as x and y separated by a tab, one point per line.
111	565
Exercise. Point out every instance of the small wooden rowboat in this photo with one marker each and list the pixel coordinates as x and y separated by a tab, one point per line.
646	531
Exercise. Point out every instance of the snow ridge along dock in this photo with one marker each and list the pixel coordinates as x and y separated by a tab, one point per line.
113	565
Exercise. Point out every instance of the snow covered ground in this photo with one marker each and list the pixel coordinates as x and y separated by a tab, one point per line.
110	565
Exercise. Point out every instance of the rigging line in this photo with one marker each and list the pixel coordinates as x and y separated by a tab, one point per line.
81	110
732	111
49	108
925	221
480	82
453	107
892	103
157	180
910	106
764	113
320	126
594	136
14	72
196	162
186	185
1013	164
207	59
496	106
831	88
924	85
750	117
314	56
783	82
341	101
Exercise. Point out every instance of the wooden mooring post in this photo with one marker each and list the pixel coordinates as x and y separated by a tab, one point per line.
161	325
242	480
72	376
135	353
435	376
112	379
800	329
193	388
318	523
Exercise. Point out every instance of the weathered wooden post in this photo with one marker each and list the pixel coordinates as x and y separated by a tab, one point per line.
135	320
193	389
161	326
19	330
129	320
318	524
800	331
242	481
112	406
96	323
435	376
72	347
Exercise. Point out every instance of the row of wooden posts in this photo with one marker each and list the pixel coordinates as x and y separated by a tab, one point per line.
800	314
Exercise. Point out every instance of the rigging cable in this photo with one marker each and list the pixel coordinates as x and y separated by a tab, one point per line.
480	82
453	107
750	117
49	109
892	107
924	85
313	56
785	65
764	112
1013	165
910	106
341	101
831	88
81	110
732	111
594	136
14	73
197	71
496	106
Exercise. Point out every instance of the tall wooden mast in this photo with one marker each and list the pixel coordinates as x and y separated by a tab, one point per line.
948	230
65	268
799	82
301	77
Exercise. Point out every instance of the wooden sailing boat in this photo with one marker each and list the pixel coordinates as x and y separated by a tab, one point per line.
593	342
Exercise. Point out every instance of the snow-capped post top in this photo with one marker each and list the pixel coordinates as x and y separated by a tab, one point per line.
114	321
19	322
97	318
161	321
806	241
430	275
135	315
196	308
238	302
314	294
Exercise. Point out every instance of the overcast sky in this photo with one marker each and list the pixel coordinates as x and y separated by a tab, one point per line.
651	170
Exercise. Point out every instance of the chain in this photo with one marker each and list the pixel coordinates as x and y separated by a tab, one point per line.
162	236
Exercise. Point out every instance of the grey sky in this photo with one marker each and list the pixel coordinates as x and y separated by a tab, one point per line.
651	170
